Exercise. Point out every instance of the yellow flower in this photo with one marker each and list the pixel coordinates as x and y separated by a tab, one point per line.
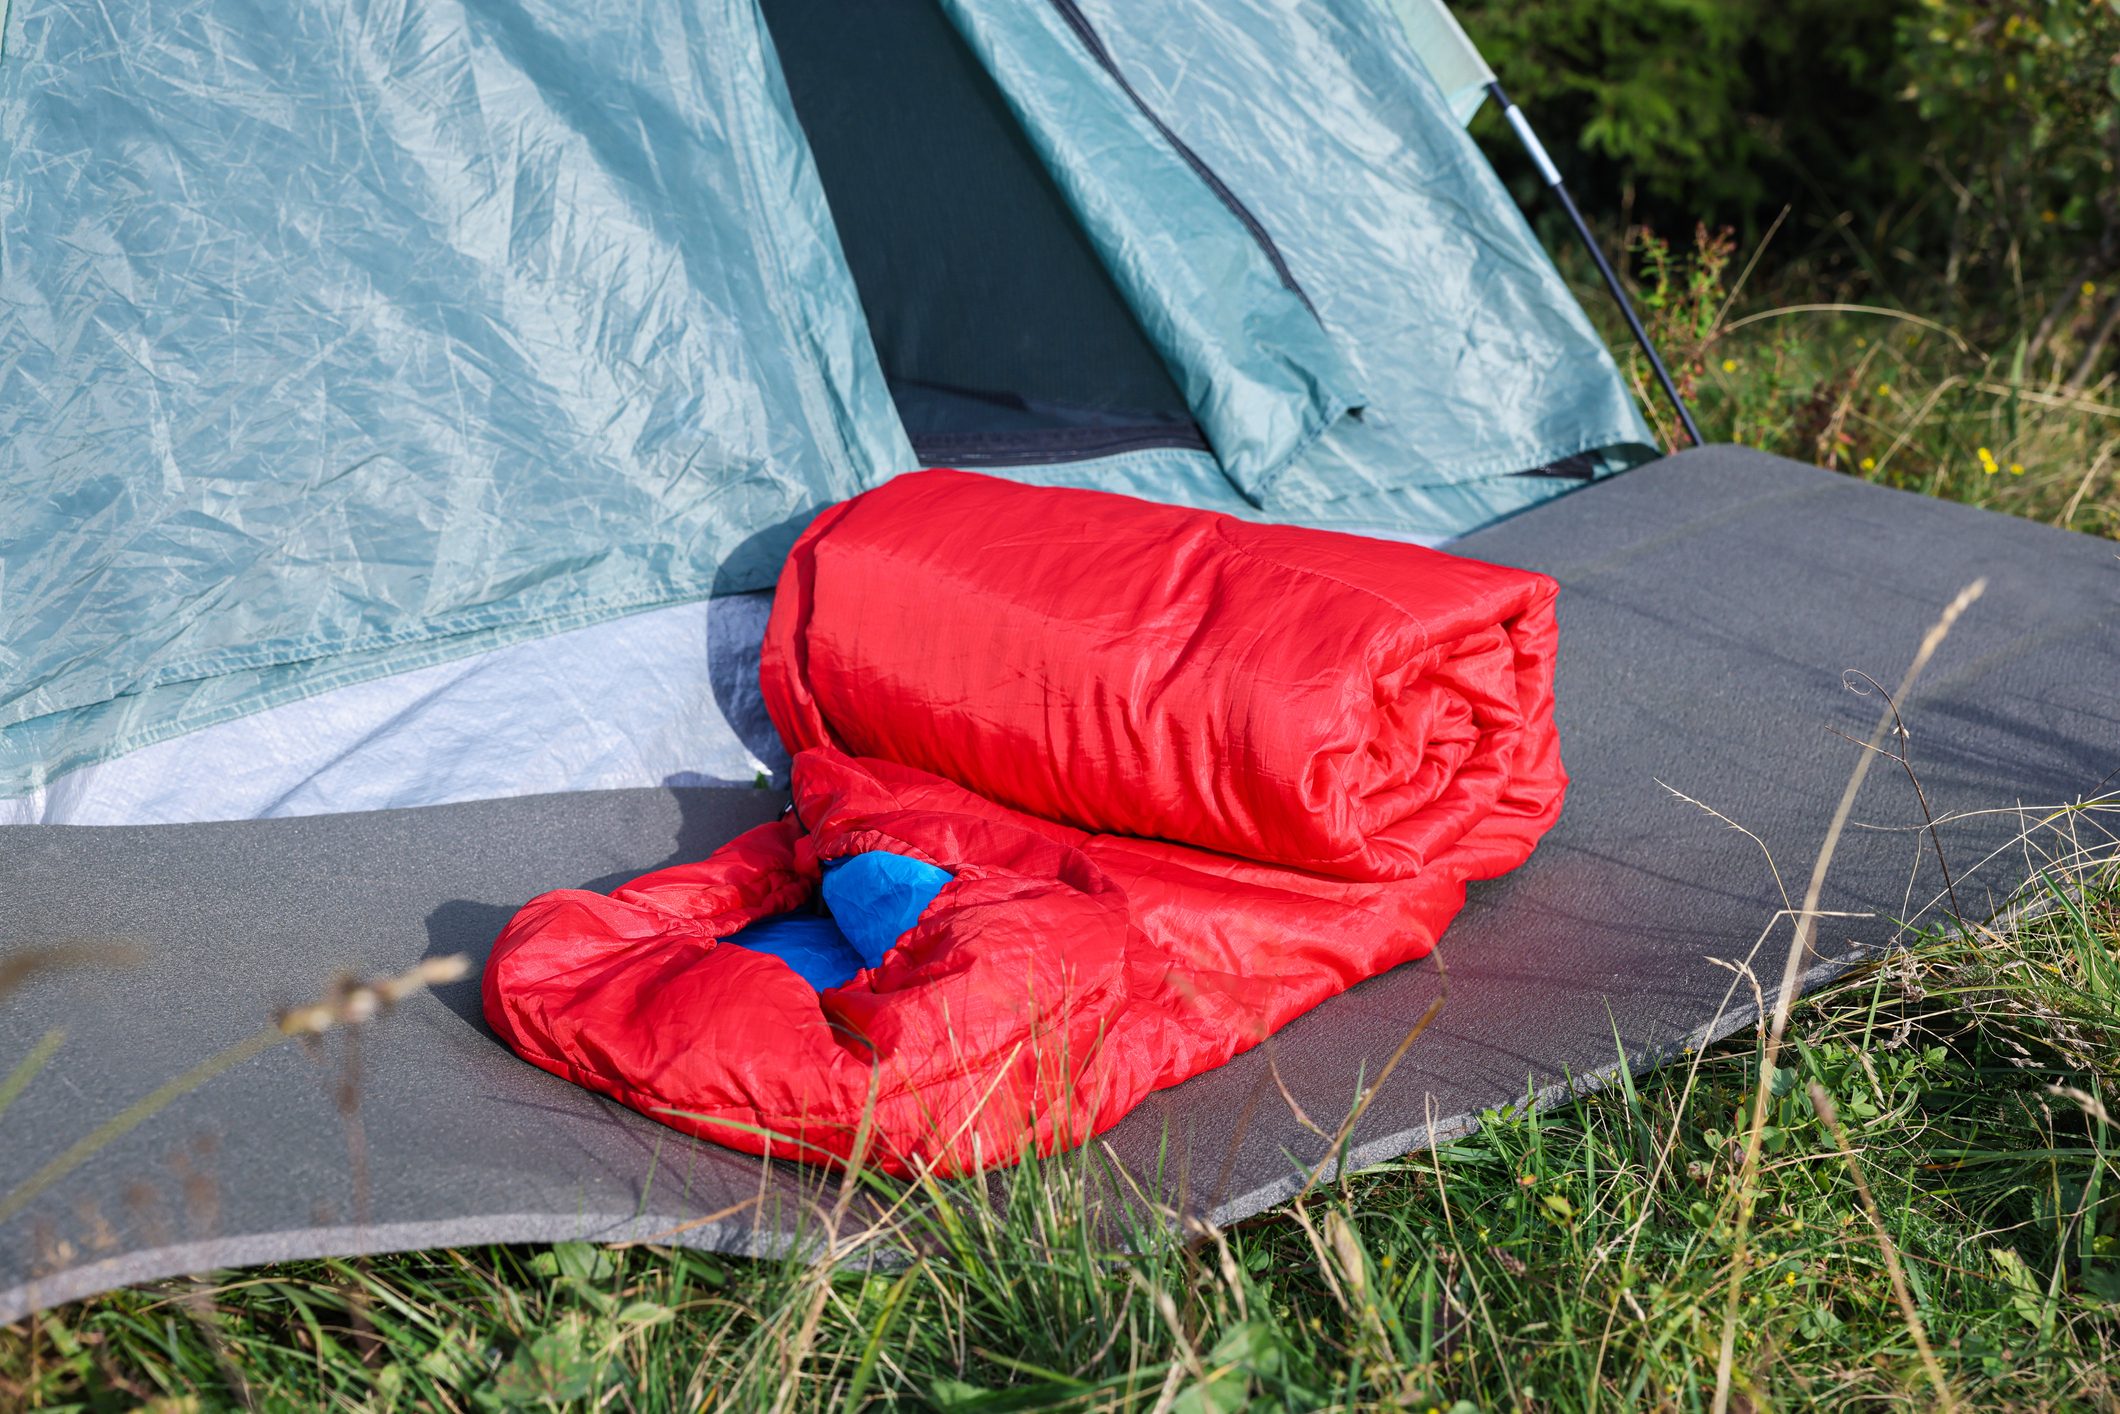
1987	461
2009	83
2016	468
1869	463
1792	1279
1729	365
1861	342
2049	217
1884	390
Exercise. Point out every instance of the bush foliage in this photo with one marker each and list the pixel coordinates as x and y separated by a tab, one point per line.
1953	133
1878	235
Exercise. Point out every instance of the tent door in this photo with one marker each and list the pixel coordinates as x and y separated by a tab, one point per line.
1261	373
1003	337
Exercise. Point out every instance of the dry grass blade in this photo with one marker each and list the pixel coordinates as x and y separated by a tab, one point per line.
690	1225
2090	478
28	1067
1944	329
2052	400
350	1005
24	963
1792	970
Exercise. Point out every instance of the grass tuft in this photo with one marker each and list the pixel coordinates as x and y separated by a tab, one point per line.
1999	407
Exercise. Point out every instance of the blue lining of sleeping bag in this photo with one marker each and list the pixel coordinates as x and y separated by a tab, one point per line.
871	900
811	943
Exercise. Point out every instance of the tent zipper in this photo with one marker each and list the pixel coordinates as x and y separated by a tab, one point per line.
1087	33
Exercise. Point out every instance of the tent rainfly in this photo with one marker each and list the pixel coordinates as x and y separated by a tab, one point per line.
352	340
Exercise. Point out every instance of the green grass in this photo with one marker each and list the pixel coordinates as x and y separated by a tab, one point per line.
2002	402
1575	1258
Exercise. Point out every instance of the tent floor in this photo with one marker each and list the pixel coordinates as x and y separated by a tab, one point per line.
1710	605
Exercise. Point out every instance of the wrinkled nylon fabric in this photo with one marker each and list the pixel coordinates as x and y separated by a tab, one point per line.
1190	777
348	339
876	897
343	338
1471	357
1262	376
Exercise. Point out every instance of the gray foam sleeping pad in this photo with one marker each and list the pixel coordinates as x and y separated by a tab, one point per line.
1710	605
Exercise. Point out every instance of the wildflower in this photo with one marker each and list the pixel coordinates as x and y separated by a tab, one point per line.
1869	463
1861	342
1987	462
2016	468
1729	365
2049	216
1792	1279
1884	390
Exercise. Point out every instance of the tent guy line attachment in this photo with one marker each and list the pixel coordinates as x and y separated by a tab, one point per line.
1551	175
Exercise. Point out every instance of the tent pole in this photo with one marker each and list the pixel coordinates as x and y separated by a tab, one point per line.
1551	175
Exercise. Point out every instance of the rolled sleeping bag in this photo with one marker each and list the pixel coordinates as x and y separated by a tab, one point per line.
1320	701
1089	795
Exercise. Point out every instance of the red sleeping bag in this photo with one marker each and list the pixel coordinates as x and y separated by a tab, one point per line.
1187	777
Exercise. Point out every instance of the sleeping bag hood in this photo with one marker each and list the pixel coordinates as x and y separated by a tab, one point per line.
1090	794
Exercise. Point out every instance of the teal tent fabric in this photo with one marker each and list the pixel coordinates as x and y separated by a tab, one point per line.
1262	375
342	338
339	337
1473	358
1446	52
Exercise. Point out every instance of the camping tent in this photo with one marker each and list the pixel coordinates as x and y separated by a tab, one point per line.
356	340
401	405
